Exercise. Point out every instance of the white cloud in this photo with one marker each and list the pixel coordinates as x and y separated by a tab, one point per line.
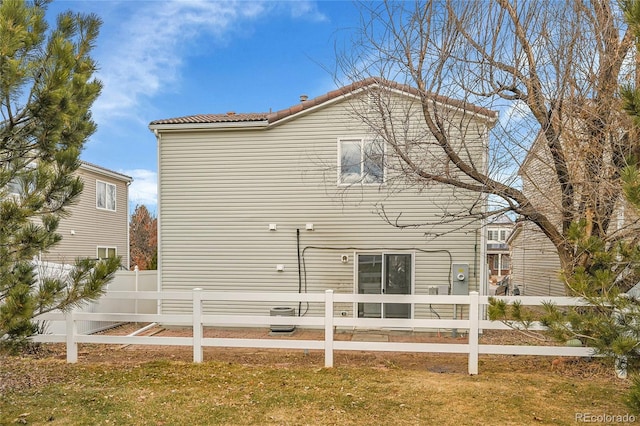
144	188
144	54
308	10
516	111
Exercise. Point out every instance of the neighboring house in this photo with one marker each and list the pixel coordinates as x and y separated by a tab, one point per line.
498	258
290	201
535	266
98	224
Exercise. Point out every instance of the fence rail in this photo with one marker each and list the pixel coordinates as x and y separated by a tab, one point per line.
197	319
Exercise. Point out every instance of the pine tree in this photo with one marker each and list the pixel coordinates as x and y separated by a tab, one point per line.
46	91
143	238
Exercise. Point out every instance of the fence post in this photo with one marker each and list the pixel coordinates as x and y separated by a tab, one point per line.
328	328
620	365
71	331
136	270
197	325
474	330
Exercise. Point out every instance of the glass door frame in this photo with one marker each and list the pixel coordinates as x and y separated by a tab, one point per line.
383	253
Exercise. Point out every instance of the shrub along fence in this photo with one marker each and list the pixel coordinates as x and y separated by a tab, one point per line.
198	319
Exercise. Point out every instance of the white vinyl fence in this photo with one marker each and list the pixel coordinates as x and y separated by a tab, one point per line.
329	322
131	281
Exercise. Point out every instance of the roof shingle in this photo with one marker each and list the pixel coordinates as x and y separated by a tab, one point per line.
272	117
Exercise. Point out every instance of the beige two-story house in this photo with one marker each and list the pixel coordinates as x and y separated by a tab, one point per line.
98	224
535	263
299	200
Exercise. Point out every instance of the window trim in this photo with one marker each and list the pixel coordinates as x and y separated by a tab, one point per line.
362	141
115	195
106	248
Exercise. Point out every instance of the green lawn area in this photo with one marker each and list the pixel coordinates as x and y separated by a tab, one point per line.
508	391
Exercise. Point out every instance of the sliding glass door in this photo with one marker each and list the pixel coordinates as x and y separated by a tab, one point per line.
384	274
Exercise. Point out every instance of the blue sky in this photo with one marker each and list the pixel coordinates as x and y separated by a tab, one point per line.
161	59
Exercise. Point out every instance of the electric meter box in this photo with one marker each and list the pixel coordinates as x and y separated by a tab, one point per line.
460	278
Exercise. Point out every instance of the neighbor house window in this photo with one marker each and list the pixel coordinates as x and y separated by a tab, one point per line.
105	195
506	262
360	161
497	235
13	187
106	252
496	262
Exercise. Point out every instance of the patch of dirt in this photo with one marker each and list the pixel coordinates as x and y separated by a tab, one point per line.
16	374
19	376
514	337
440	363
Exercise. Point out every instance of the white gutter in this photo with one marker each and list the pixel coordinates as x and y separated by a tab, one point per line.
183	127
128	228
105	172
484	276
159	222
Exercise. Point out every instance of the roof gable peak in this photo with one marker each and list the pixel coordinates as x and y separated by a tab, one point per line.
268	118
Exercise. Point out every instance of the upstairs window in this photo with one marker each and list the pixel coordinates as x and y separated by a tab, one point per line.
497	235
360	161
105	196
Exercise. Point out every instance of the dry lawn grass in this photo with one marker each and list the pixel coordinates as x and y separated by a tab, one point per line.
160	386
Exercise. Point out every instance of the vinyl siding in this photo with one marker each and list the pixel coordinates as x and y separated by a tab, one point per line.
535	266
540	183
220	190
535	261
93	227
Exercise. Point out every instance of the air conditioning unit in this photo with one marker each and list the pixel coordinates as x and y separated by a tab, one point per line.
281	311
